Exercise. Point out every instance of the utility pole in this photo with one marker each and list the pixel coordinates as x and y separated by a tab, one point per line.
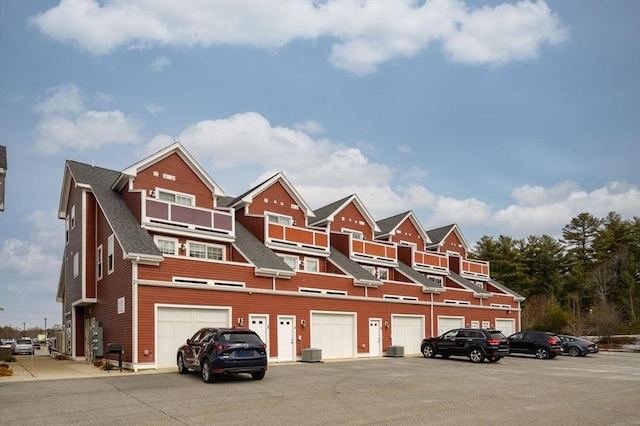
45	329
24	327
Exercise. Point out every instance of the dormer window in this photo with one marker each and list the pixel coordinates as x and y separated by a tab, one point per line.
279	219
356	235
175	197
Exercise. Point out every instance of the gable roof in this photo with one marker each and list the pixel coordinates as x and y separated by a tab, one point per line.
134	240
478	292
175	148
438	236
389	225
326	214
266	262
248	196
360	275
516	297
429	285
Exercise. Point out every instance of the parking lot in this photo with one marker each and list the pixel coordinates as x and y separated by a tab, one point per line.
596	390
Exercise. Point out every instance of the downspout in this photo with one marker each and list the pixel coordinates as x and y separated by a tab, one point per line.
274	281
431	294
134	315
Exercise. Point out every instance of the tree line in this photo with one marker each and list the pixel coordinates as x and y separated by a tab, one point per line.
588	282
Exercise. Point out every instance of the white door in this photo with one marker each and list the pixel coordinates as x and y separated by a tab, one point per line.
375	336
506	326
174	325
286	339
448	323
334	333
407	331
259	324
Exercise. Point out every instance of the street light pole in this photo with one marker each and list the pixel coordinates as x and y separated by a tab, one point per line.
45	329
24	327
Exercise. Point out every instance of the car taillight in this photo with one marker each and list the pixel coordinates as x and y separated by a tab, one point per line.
493	342
222	347
553	340
263	346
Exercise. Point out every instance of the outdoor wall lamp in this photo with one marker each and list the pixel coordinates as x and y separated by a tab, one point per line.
240	321
303	323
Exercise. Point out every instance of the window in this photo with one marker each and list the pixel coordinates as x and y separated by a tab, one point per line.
73	217
99	262
475	324
291	261
110	249
370	269
356	235
486	324
206	251
281	220
167	246
66	230
173	197
121	305
394	297
76	265
437	280
383	273
321	291
311	264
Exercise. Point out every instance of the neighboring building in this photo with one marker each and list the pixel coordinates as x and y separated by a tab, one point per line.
159	250
3	174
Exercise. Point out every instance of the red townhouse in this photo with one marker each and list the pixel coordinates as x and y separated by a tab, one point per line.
159	250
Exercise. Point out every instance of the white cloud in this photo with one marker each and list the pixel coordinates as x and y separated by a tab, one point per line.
309	126
160	63
65	121
154	109
365	33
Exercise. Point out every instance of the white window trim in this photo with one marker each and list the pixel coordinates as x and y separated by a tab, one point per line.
280	219
355	234
66	230
397	297
73	217
312	260
212	283
222	248
486	324
475	324
99	263
76	265
157	239
437	279
111	259
291	258
322	291
498	305
380	271
175	194
457	302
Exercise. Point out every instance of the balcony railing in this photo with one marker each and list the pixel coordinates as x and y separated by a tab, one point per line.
427	261
194	218
297	237
474	269
382	252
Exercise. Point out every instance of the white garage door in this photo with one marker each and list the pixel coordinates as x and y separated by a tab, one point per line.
447	323
334	334
175	325
407	331
507	326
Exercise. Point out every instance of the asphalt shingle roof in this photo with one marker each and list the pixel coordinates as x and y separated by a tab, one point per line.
350	267
418	277
468	284
259	254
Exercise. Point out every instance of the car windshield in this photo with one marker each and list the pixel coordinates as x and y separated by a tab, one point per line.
24	341
497	335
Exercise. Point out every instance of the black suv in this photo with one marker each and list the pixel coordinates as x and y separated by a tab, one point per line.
542	344
216	351
477	344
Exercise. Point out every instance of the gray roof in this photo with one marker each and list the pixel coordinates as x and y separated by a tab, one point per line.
468	284
439	234
351	267
389	224
259	254
133	239
324	212
419	278
507	290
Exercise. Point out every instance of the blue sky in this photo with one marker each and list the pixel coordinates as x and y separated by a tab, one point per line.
505	117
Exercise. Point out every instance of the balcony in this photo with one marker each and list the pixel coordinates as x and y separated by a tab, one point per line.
382	253
188	218
286	237
475	269
430	262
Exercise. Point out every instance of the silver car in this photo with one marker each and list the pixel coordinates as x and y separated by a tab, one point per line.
23	346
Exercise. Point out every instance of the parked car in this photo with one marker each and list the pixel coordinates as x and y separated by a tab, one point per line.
23	345
36	344
577	346
476	344
7	343
542	344
217	351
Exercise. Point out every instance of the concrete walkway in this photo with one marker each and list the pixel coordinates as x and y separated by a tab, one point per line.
42	366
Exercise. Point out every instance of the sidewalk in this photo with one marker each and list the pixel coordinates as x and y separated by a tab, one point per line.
42	366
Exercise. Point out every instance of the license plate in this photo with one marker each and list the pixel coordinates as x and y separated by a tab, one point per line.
244	354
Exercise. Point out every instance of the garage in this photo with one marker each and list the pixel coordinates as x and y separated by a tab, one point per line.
334	333
507	326
448	323
175	324
407	331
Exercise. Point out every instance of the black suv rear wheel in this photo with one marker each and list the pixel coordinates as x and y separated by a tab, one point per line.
476	355
542	353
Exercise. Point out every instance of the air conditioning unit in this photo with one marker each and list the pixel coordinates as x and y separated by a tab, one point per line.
311	355
395	351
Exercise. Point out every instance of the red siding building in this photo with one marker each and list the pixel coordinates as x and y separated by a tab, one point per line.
159	250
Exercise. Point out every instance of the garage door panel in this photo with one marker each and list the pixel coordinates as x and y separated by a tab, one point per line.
506	326
174	325
334	334
448	323
407	331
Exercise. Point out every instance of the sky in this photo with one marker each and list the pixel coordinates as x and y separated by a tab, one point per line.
504	117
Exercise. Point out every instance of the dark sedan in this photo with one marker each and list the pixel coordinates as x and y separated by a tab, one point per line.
219	351
577	346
